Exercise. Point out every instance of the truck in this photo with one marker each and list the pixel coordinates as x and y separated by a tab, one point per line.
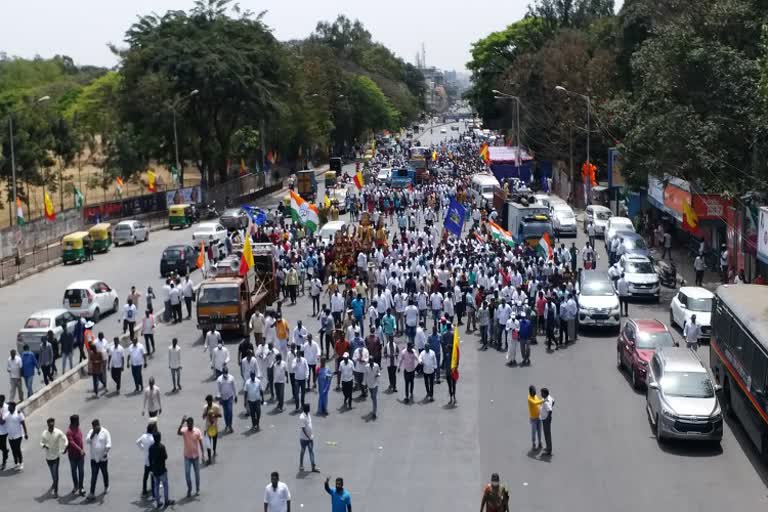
402	178
523	217
306	184
419	158
226	300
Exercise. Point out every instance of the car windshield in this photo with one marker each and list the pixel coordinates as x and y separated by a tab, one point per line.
172	254
621	226
536	229
37	323
122	227
597	288
603	215
653	340
703	305
564	214
640	267
219	295
690	385
635	243
205	228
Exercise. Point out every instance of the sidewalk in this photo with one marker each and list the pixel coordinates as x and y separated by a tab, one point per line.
684	264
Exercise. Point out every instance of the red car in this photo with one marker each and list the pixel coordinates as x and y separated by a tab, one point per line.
637	342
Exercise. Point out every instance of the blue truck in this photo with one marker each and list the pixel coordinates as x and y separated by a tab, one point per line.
401	178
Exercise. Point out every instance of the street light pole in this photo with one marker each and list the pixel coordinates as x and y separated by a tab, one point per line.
176	136
589	128
503	95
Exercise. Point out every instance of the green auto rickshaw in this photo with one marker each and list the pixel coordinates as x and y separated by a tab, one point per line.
101	234
76	247
180	216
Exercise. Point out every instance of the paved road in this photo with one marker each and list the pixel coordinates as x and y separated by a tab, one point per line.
421	457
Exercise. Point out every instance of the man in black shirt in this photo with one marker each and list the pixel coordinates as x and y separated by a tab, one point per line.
157	457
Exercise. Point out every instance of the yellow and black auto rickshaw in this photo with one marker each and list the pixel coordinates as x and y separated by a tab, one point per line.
180	216
330	179
101	234
76	247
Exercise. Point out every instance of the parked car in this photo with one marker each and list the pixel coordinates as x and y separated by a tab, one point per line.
641	276
689	301
634	244
597	215
681	400
443	130
39	323
563	220
178	258
455	128
598	302
329	230
208	232
638	341
90	298
614	225
130	232
235	218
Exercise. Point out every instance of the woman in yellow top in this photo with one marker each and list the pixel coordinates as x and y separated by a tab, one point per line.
534	406
211	415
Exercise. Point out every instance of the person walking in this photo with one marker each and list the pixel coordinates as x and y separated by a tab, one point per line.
347	375
54	442
3	432
174	364
46	360
193	452
148	331
306	438
408	362
545	414
277	496
391	357
14	368
211	415
428	362
116	362
279	375
525	335
16	427
484	319
691	333
96	367
188	294
699	265
257	325
341	501
128	318
99	443
137	357
300	375
225	385
311	351
152	403
324	380
495	496
76	455
29	366
158	456
253	399
219	357
175	298
446	346
144	442
622	287
372	374
534	413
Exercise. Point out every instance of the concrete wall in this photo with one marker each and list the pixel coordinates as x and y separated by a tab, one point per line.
39	232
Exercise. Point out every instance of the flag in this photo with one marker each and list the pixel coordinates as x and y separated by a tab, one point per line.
455	355
454	219
479	238
246	260
175	174
151	181
78	197
326	201
201	256
501	234
257	215
359	180
434	156
690	219
304	213
242	167
119	183
50	213
19	212
261	218
545	247
484	153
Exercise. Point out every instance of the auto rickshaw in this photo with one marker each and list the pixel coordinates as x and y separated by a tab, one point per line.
76	247
330	179
180	216
101	234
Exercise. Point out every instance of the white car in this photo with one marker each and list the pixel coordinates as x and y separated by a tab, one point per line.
210	232
39	323
597	215
91	299
443	130
641	276
692	300
130	232
598	302
616	224
329	230
339	194
383	176
563	220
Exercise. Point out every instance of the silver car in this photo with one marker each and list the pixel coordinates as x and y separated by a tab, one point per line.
681	400
39	323
130	232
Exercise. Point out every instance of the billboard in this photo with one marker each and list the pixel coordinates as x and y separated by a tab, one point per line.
190	195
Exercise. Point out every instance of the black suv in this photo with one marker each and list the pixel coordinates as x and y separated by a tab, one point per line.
178	258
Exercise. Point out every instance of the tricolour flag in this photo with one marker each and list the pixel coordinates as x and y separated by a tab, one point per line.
19	212
151	181
304	213
359	180
545	247
484	153
78	197
50	213
501	234
246	260
690	219
455	355
119	183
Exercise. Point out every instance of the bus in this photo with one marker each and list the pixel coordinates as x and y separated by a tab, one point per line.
739	356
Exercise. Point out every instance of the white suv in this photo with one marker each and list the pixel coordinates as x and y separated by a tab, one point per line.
641	276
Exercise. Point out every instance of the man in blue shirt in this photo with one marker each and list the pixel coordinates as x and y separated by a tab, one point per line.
341	501
358	310
525	339
434	343
28	366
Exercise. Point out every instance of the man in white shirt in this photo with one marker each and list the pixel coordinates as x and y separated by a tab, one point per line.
360	357
300	374
436	305
311	353
188	292
174	297
279	374
212	339
14	374
622	288
691	333
143	443
257	325
299	334
99	443
347	377
219	358
428	361
253	399
372	373
545	415
225	384
337	306
129	318
137	357
277	496
54	442
16	427
116	362
306	438
174	364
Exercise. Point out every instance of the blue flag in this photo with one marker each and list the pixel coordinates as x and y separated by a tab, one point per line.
257	215
454	220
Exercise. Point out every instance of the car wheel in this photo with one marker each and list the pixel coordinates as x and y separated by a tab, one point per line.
115	305
619	362
96	315
657	430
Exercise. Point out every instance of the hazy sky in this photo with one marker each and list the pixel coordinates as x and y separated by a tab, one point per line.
82	28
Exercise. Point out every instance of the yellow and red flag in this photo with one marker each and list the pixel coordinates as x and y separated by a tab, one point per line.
50	213
434	156
151	181
359	180
246	260
690	219
484	153
455	355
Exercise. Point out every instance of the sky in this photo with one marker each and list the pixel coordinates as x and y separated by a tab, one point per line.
81	29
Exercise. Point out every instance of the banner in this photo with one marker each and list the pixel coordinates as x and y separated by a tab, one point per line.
188	195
